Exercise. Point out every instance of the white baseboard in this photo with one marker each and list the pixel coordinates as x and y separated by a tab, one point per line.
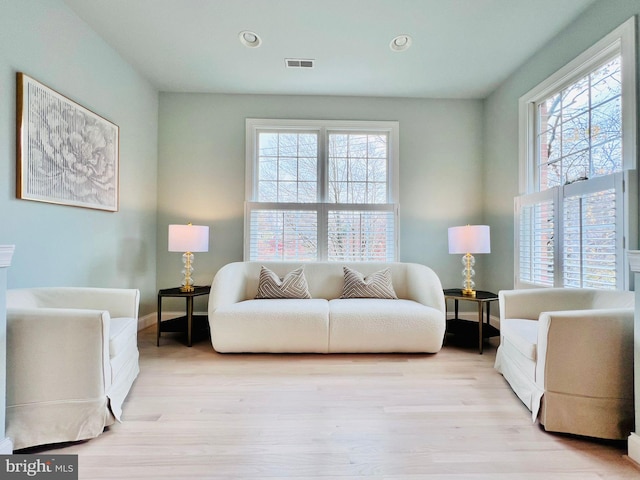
151	319
634	447
6	446
147	320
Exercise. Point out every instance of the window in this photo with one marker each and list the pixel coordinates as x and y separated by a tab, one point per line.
321	190
577	147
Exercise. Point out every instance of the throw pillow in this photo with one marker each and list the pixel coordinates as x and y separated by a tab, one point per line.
293	285
375	285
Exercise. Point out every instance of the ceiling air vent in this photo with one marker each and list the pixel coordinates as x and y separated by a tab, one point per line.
299	62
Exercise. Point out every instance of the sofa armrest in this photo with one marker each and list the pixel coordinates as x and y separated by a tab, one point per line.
119	302
529	304
57	354
424	286
228	286
586	352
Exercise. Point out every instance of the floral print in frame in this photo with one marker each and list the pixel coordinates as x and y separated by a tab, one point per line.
66	154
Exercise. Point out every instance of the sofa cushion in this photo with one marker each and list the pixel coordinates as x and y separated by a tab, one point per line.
384	325
292	285
374	285
273	325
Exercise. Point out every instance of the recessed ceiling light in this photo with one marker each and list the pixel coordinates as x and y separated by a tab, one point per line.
400	43
249	39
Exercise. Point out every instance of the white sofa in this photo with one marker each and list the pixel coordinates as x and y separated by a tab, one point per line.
72	356
568	355
415	322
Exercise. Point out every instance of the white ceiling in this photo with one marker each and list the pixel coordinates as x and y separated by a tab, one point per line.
461	48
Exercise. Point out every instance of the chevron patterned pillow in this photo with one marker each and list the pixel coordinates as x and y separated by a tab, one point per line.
375	285
293	285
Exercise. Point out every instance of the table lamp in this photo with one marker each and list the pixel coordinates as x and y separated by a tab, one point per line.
188	239
468	240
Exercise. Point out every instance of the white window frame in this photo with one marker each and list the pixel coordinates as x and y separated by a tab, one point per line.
622	40
321	127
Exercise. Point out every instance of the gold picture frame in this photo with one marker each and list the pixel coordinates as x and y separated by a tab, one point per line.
66	154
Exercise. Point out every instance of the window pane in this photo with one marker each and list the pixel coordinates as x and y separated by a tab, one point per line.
576	167
288	145
287	192
283	235
606	82
355	161
338	145
358	147
308	145
606	122
308	169
288	169
338	192
361	236
268	169
357	192
575	99
377	193
268	145
338	170
550	175
268	192
378	146
607	158
575	134
549	146
285	159
377	170
307	192
358	172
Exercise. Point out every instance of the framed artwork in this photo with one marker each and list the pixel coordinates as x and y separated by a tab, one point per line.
66	154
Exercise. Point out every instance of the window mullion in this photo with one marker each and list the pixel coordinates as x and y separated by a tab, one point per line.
323	187
558	235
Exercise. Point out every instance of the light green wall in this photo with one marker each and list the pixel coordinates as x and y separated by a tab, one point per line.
182	158
60	245
501	126
201	172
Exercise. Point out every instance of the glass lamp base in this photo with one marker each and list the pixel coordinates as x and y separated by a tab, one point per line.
468	284
187	281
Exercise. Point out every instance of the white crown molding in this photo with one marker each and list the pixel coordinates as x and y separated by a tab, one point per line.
6	253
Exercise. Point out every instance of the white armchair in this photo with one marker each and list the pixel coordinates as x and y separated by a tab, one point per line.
568	355
72	356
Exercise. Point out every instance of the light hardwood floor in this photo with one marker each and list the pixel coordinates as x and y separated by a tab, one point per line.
195	414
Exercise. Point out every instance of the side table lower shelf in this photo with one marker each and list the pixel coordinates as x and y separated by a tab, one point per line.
199	327
465	332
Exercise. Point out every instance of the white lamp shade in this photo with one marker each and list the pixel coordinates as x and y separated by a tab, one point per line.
188	238
469	239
